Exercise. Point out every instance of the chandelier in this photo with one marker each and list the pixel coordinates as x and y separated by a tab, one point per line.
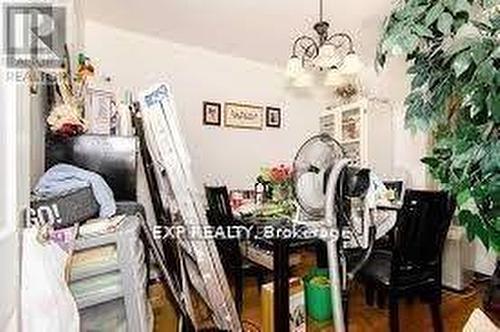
332	54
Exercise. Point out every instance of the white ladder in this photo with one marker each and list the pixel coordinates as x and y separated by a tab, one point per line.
180	195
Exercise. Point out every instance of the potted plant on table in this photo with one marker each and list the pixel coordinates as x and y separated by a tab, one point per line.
279	189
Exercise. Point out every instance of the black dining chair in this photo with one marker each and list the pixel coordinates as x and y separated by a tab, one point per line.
235	265
413	267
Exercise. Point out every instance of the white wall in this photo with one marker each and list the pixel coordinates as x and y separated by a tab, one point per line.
233	156
38	111
229	155
14	194
391	84
9	278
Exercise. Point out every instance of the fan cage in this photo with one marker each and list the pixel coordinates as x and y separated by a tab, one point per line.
336	153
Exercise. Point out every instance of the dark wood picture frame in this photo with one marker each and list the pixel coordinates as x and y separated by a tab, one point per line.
208	107
273	117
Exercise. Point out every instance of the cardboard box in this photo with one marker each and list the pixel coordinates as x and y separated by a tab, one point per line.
297	306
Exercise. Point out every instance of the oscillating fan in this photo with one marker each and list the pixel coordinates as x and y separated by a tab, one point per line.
326	187
312	165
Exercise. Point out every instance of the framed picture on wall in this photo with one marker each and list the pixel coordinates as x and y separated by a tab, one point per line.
243	116
212	113
273	117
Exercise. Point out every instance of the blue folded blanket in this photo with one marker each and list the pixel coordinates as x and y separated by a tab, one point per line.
62	178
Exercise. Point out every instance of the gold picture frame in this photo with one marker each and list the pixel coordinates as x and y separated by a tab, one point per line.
243	116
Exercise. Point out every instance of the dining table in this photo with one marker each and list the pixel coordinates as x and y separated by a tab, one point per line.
282	246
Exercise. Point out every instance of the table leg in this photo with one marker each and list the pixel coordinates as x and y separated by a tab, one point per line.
281	286
321	255
345	304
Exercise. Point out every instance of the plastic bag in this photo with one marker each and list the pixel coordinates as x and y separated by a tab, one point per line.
46	301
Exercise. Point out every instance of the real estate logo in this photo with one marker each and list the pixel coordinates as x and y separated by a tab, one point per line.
34	35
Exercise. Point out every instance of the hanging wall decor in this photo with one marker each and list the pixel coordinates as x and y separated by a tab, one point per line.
243	116
211	113
273	117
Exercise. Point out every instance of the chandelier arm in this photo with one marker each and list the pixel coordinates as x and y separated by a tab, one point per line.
341	35
306	54
313	44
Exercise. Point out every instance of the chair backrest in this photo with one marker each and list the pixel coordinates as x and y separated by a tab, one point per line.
112	157
423	222
220	214
397	186
219	205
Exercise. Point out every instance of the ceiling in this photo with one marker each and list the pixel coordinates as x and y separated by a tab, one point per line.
261	30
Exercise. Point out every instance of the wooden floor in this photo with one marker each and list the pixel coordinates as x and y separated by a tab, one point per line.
456	309
414	317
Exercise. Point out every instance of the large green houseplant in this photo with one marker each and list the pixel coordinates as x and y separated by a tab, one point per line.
452	47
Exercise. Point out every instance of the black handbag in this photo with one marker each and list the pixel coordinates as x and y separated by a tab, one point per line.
64	210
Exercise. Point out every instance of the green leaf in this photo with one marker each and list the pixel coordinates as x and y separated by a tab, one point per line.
474	226
467	36
495	22
463	196
480	193
433	14
430	161
409	11
496	53
449	4
461	63
479	52
485	73
493	104
491	164
473	97
413	70
469	203
489	3
419	79
494	184
482	232
465	217
455	92
413	97
496	224
422	31
408	42
495	241
395	42
456	47
444	23
462	6
416	116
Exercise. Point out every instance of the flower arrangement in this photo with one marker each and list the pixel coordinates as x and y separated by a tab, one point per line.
65	120
280	180
279	183
66	117
277	174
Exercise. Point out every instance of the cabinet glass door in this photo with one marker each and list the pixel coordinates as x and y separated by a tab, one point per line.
327	125
351	126
353	152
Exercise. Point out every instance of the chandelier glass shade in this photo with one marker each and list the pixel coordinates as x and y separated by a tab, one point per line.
330	53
